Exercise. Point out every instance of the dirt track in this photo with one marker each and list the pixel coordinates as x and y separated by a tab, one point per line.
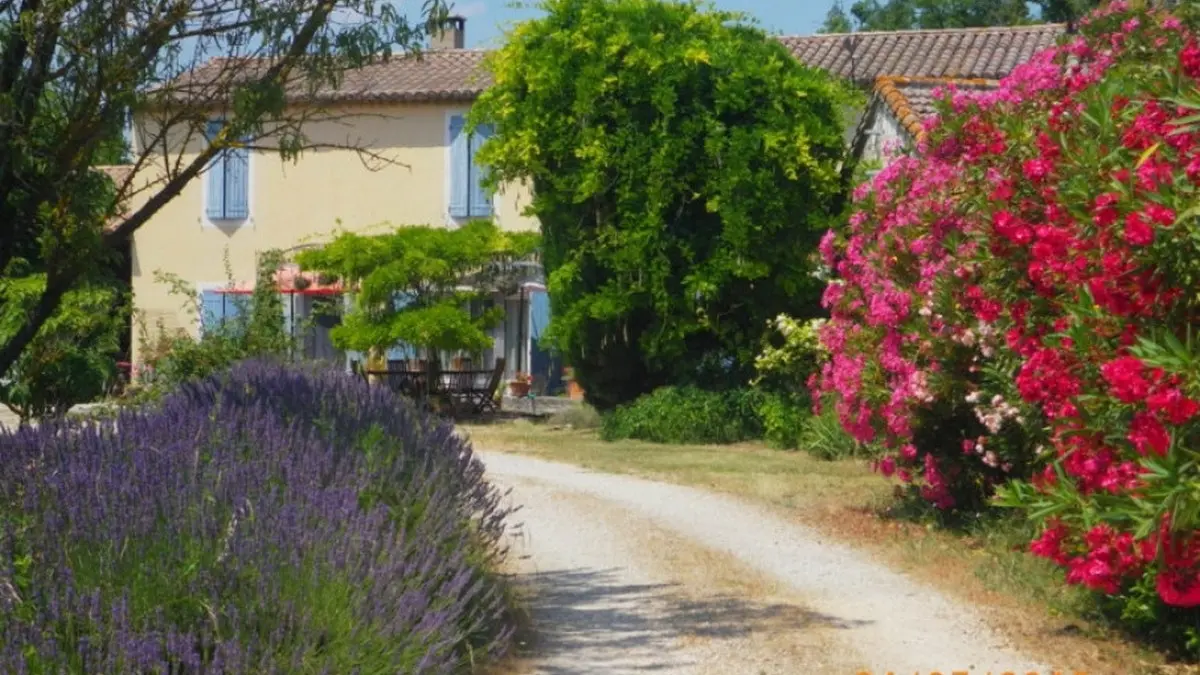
634	576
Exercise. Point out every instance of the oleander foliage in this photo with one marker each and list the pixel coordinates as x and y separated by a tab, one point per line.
266	519
1014	310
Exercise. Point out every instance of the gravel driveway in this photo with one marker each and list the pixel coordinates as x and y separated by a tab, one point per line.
635	576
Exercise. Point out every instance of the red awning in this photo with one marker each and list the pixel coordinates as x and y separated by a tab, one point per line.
289	279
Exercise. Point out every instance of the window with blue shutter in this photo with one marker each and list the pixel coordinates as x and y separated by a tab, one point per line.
228	181
468	198
215	208
481	201
212	311
218	309
460	162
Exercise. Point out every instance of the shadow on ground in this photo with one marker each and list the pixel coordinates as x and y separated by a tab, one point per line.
590	621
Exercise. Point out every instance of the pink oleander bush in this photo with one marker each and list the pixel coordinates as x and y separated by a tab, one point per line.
1012	310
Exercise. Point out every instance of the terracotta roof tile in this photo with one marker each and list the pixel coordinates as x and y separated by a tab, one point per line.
911	100
432	75
989	53
458	74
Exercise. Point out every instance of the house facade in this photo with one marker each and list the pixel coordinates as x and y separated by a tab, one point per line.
420	169
411	111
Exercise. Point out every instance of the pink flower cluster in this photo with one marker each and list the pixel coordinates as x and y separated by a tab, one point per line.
1039	226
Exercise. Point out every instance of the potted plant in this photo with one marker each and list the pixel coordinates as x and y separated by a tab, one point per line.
574	391
519	385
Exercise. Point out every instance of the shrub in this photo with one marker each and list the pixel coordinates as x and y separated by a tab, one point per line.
258	330
687	415
269	519
822	436
1016	301
783	418
791	356
74	356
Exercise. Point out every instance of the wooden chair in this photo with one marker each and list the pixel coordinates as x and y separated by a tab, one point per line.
483	399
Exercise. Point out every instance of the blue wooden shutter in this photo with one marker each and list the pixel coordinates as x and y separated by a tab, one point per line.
212	311
237	183
539	317
539	313
235	303
481	201
459	163
215	207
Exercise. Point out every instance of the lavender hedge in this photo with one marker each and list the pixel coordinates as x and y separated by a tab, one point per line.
267	520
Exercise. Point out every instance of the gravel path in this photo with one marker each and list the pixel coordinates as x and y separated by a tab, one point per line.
635	576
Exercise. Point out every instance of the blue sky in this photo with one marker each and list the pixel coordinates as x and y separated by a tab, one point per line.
486	18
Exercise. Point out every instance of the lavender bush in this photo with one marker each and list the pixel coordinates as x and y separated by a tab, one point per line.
267	520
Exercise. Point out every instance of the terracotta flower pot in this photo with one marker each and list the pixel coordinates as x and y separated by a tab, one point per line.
518	389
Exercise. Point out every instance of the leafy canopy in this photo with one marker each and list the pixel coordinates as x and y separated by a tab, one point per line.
682	163
73	358
413	285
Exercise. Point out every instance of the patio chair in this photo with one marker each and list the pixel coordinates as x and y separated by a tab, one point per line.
483	399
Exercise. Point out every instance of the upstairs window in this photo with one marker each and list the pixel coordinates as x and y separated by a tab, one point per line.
228	181
468	198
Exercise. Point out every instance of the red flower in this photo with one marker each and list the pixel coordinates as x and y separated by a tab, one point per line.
1178	583
1012	228
1104	213
1189	59
1160	214
887	466
1050	544
1179	588
1138	232
1037	169
1125	380
1148	435
1171	401
1193	169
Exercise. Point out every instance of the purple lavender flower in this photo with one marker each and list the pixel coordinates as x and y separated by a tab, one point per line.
267	519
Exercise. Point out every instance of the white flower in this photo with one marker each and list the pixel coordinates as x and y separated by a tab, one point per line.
991	459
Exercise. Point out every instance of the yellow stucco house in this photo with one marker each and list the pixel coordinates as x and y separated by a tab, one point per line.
407	111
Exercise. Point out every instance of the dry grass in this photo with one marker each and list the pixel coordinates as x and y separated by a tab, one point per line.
1023	597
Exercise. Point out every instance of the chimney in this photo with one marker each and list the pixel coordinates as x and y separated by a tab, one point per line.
449	35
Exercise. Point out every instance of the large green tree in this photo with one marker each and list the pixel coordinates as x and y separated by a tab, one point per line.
72	72
683	165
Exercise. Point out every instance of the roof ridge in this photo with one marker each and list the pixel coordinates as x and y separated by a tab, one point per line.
1031	28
